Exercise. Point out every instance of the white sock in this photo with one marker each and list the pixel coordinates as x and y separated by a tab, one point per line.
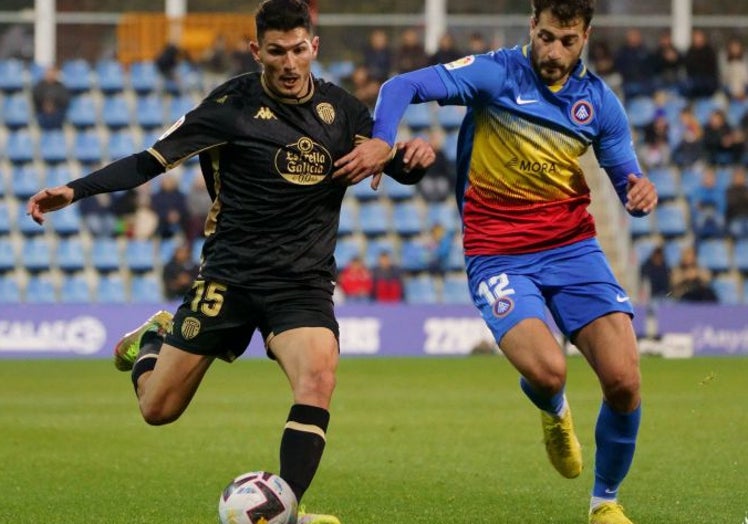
596	501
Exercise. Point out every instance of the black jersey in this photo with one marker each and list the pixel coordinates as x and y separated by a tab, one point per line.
268	165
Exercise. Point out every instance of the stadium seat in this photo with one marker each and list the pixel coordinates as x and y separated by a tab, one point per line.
674	250
420	290
197	249
741	256
140	255
407	219
5	224
110	289
82	111
671	220
115	112
110	76
449	146
53	147
66	221
345	250
149	111
11	75
714	254
16	111
375	247
19	147
166	249
121	144
363	191
443	213
7	255
641	111
340	69
456	258
396	191
87	147
348	221
450	117
76	75
455	290
24	181
178	106
105	254
643	248
26	224
414	256
640	226
57	175
36	255
10	291
704	107
708	223
150	138
40	290
75	290
145	289
664	179
70	255
144	77
373	219
727	289
418	117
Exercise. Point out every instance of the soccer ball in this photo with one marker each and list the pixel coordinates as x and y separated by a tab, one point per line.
257	497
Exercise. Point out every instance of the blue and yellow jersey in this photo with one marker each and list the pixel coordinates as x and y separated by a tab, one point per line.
520	185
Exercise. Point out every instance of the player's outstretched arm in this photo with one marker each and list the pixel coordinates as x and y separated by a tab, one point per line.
641	195
366	159
411	161
48	199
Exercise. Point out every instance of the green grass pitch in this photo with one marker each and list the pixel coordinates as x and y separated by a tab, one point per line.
448	440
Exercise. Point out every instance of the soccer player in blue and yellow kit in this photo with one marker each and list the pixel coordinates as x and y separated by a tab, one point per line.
529	240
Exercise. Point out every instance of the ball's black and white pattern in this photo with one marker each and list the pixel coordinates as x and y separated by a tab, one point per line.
257	497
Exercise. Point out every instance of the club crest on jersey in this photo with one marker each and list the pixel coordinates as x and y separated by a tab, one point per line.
326	112
173	128
460	62
503	306
304	163
582	112
190	328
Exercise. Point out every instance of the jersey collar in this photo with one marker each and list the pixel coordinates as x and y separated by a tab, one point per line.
284	100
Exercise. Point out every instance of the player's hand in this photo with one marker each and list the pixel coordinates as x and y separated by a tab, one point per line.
641	194
48	199
367	159
418	154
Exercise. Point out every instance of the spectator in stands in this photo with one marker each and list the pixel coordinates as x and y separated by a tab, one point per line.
702	70
690	139
447	50
708	205
179	273
98	216
723	145
667	63
477	44
51	100
655	274
439	182
170	205
356	281
602	63
364	86
656	147
410	54
734	69
242	59
199	204
438	246
387	280
736	207
216	61
123	206
377	55
167	61
690	282
634	62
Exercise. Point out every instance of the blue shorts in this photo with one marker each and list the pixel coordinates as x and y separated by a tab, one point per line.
574	282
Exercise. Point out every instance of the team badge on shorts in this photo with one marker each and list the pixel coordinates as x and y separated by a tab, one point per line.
582	112
190	328
503	306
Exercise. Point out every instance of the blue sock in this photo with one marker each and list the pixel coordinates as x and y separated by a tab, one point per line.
553	404
615	437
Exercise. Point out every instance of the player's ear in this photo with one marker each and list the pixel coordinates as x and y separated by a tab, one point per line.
315	46
254	47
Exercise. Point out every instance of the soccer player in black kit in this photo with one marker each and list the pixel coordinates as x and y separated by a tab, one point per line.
267	143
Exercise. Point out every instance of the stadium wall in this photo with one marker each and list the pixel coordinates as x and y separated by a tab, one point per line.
81	331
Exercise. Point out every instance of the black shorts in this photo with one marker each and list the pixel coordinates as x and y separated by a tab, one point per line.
218	320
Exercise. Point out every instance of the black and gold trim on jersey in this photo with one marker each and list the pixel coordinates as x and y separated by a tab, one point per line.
288	100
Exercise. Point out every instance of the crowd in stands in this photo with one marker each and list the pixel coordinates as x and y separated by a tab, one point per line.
687	110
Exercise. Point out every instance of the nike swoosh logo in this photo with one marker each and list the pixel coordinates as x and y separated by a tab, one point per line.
611	491
619	298
524	101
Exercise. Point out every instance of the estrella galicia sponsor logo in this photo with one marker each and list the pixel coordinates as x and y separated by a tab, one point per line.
502	307
304	163
582	112
84	335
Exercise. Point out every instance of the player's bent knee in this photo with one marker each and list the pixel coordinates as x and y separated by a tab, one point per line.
622	394
158	413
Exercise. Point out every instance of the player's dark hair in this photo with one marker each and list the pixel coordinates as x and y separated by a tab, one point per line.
565	11
282	15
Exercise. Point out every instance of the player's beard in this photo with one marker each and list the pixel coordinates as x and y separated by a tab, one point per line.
551	72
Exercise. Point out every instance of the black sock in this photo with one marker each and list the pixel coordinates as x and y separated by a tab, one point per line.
302	445
150	346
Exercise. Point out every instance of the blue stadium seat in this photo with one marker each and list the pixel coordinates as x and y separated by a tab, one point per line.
373	219
7	255
110	289
121	144
188	78
340	69
110	76
375	247
727	289
20	147
690	179
145	289
671	220
455	290
150	138
166	249
179	106
149	111
115	112
418	117
24	181
741	256
641	111
704	107
664	179
414	256
10	291
443	213
640	226
140	255
407	219
16	111
345	250
40	290
348	220
105	254
396	191
363	191
674	250
456	258
643	247
76	75
58	175
36	255
450	117
144	77
5	224
420	290
714	254
449	146
70	255
66	221
11	75
25	224
708	223
197	249
82	111
87	147
75	290
53	147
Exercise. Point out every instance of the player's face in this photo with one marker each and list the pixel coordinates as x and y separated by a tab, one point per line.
556	48
286	58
